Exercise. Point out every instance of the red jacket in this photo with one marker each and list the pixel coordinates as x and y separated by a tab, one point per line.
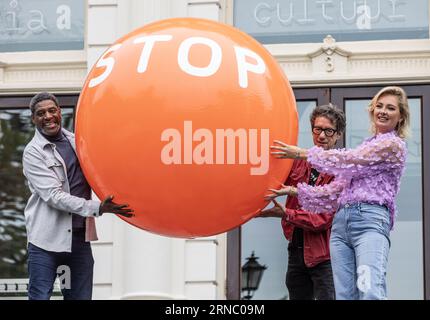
316	227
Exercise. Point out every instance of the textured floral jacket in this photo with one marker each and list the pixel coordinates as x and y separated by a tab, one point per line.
369	173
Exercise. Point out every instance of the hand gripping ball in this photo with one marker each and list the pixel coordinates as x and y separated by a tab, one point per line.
176	119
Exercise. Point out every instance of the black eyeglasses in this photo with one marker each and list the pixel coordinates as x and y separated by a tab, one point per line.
329	132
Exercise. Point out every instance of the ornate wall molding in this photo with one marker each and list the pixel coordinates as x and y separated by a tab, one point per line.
30	72
2	66
329	57
32	77
350	64
391	65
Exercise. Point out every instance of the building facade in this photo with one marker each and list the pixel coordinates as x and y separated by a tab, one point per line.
332	51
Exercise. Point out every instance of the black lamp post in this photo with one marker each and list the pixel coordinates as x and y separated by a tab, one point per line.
252	272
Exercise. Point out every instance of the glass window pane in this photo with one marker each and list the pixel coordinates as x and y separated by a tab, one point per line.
305	108
16	130
405	264
296	21
41	25
264	236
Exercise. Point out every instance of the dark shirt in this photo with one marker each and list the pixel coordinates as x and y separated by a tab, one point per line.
297	240
79	186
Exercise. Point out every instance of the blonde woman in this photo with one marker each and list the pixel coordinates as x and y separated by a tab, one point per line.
367	180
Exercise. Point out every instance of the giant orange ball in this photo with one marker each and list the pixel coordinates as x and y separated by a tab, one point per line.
176	119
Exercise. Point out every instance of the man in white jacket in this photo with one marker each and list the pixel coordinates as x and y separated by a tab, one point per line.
60	213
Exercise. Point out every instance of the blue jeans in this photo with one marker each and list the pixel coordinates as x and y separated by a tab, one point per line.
359	246
75	270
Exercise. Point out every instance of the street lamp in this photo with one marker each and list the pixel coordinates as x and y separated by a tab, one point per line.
252	272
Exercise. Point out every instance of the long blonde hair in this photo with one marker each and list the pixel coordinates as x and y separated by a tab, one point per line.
402	128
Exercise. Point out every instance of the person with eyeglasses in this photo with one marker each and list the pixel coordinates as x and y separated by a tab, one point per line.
367	180
309	273
328	132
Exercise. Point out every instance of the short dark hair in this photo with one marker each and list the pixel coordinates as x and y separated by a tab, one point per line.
331	112
41	97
